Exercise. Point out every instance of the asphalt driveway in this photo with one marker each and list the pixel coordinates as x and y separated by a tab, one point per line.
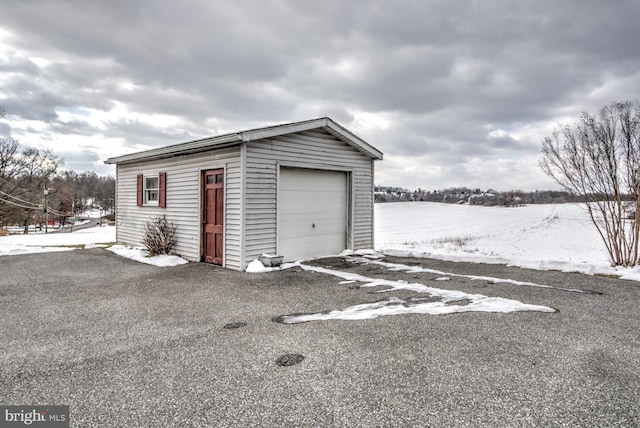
127	344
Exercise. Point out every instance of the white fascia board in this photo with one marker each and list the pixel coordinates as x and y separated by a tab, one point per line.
177	149
289	128
354	140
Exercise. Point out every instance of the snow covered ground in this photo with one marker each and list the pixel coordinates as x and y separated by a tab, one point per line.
559	236
535	236
141	255
98	236
56	241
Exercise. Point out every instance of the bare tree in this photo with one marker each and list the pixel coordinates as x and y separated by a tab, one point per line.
598	158
10	164
12	201
40	166
23	177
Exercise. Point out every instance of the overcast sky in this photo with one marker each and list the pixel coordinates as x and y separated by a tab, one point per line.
455	93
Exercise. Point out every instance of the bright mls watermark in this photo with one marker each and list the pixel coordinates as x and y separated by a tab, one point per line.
34	416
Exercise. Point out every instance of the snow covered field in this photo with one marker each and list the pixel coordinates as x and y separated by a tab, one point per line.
559	236
535	236
56	241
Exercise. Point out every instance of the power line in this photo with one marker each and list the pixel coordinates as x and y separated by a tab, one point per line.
18	199
56	212
23	191
19	205
38	207
34	206
51	210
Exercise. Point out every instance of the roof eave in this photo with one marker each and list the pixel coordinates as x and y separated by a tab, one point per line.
287	128
324	122
229	140
178	149
352	139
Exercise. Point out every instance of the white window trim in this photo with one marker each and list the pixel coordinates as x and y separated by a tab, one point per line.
145	190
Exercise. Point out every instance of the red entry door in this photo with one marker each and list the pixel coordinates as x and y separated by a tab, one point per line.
213	216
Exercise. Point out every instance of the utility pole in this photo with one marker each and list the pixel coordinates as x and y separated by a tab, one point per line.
46	211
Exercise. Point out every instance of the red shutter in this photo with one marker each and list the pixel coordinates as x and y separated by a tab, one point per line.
162	194
139	190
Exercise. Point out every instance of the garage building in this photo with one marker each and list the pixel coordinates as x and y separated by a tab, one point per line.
299	190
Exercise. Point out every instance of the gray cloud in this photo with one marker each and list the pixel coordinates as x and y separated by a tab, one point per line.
85	160
5	130
462	84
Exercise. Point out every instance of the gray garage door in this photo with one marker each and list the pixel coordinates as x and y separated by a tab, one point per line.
312	211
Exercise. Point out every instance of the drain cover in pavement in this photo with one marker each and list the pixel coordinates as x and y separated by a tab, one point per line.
235	325
289	360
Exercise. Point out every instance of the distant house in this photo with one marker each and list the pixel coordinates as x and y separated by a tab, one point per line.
299	190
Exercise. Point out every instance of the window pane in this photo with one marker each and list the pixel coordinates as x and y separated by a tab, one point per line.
152	195
209	179
151	182
219	178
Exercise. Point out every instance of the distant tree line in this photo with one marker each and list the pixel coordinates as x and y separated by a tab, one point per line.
34	187
475	196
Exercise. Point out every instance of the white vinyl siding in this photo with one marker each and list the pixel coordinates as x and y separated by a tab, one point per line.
233	218
183	198
314	149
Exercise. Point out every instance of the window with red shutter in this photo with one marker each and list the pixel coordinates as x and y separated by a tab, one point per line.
151	190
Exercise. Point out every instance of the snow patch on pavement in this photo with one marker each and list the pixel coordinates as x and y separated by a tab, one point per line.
256	266
450	301
445	276
141	255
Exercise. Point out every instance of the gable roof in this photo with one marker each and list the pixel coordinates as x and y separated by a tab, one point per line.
236	138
